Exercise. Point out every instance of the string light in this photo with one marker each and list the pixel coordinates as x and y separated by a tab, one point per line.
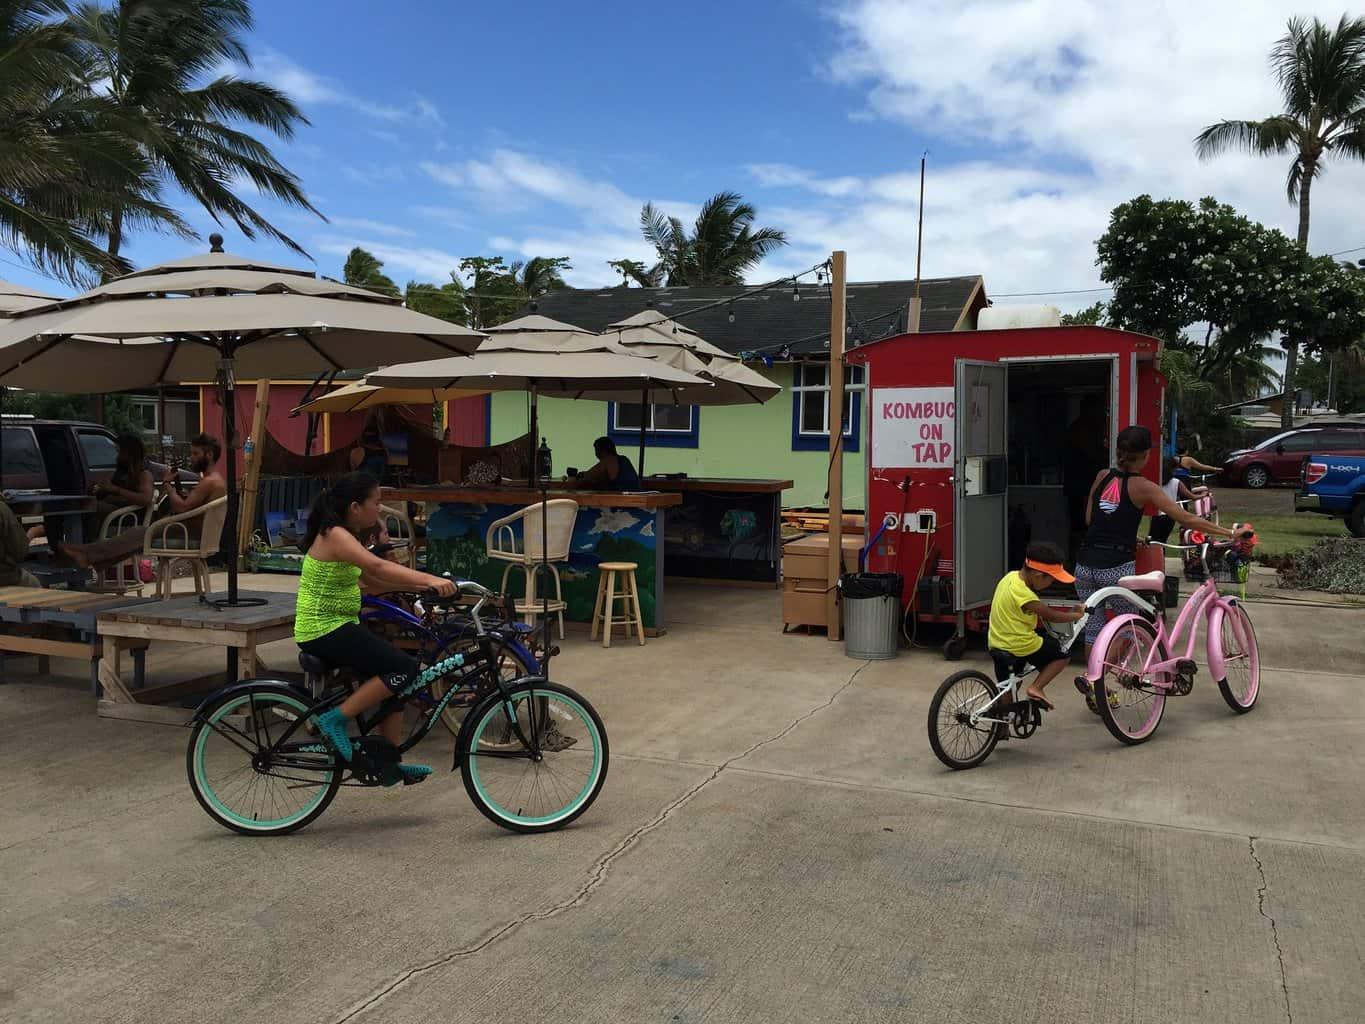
796	291
731	316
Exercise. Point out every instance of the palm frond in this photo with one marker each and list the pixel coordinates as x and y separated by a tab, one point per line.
1273	135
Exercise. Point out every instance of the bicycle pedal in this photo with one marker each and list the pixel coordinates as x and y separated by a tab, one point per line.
1186	667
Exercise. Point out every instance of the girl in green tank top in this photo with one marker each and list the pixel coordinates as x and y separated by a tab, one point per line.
327	617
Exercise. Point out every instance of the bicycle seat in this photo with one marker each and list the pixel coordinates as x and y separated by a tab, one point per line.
315	666
1007	664
1153	582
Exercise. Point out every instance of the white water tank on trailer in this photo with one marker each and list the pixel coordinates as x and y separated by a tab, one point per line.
1009	318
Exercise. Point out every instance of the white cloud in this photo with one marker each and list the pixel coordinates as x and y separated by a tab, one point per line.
428	263
372	226
613	520
429	112
513	177
1073	109
647	530
308	88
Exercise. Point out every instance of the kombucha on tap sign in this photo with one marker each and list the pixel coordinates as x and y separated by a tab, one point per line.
912	428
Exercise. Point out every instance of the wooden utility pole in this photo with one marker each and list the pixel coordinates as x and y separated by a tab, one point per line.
836	444
251	474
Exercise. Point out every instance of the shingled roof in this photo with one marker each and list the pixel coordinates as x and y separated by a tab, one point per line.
771	319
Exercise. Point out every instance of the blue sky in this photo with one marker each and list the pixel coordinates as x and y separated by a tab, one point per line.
441	131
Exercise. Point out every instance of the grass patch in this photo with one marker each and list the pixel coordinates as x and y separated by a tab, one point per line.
1280	535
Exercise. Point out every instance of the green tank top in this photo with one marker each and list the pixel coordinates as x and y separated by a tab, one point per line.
329	598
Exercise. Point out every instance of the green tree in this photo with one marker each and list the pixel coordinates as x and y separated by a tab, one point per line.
722	247
1321	75
64	158
364	269
1177	267
1091	316
152	58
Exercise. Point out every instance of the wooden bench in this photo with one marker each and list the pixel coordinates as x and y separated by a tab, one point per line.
192	621
63	624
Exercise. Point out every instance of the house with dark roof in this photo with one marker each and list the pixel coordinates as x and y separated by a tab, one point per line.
782	332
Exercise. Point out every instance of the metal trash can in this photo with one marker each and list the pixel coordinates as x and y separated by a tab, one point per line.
872	614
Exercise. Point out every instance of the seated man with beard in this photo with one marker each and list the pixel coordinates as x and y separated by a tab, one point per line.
204	454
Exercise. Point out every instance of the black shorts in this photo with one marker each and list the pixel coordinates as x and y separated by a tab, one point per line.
355	648
1050	651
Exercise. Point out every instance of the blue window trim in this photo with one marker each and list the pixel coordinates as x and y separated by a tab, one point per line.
820	442
671	439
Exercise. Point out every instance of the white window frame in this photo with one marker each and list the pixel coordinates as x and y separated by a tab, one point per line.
650	428
144	403
854	385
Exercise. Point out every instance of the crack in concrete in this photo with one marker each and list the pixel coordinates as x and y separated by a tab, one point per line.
1274	928
596	876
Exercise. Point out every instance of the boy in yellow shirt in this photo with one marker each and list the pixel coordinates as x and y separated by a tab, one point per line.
1016	609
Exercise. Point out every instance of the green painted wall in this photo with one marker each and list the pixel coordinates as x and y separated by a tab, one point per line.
734	441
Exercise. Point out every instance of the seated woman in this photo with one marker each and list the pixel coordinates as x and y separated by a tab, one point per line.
131	484
613	472
204	454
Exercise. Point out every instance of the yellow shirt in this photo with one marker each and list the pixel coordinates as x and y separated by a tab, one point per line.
1012	628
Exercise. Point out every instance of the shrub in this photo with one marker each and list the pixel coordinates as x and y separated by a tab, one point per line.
1333	564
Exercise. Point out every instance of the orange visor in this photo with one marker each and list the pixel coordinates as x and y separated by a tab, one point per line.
1053	569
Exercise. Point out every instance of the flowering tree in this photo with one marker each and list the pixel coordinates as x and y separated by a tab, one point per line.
1181	269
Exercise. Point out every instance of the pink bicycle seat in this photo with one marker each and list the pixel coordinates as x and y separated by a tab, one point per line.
1150	581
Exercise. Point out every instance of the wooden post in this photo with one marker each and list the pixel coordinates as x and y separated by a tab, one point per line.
251	475
836	444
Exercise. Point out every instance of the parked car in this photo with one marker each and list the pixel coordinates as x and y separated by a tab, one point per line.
61	456
1279	459
1334	485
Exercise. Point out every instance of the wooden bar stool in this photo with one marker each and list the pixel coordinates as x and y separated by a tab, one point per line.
603	615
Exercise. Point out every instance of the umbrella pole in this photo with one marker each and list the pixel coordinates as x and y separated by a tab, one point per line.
640	469
228	384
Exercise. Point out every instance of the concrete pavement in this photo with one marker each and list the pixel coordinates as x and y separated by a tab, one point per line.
775	842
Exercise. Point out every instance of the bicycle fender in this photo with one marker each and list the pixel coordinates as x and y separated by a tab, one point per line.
1213	642
467	726
1094	666
293	689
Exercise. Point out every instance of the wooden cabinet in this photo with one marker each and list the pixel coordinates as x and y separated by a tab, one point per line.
805	568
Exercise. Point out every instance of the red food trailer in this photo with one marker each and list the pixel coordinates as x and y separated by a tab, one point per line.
977	442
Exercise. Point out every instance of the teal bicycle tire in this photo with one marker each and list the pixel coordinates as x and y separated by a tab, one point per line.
213	801
477	769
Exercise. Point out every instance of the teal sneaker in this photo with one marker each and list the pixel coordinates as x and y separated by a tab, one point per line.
335	729
410	774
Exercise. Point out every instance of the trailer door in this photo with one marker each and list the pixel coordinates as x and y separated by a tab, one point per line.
979	480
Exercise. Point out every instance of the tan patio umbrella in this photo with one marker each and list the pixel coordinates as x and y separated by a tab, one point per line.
358	396
15	298
556	374
655	336
211	317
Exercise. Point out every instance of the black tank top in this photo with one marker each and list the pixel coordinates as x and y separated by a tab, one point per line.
1114	520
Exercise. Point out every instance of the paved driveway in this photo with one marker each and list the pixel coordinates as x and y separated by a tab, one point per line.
775	843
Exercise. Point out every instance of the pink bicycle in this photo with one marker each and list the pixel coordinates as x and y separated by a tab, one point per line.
1131	669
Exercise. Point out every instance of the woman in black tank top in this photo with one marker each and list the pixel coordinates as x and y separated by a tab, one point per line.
1113	513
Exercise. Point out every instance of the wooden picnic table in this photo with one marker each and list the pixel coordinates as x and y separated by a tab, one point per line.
188	620
62	624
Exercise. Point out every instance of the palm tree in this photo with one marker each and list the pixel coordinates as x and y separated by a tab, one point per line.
152	54
62	158
723	244
1321	74
540	274
366	270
